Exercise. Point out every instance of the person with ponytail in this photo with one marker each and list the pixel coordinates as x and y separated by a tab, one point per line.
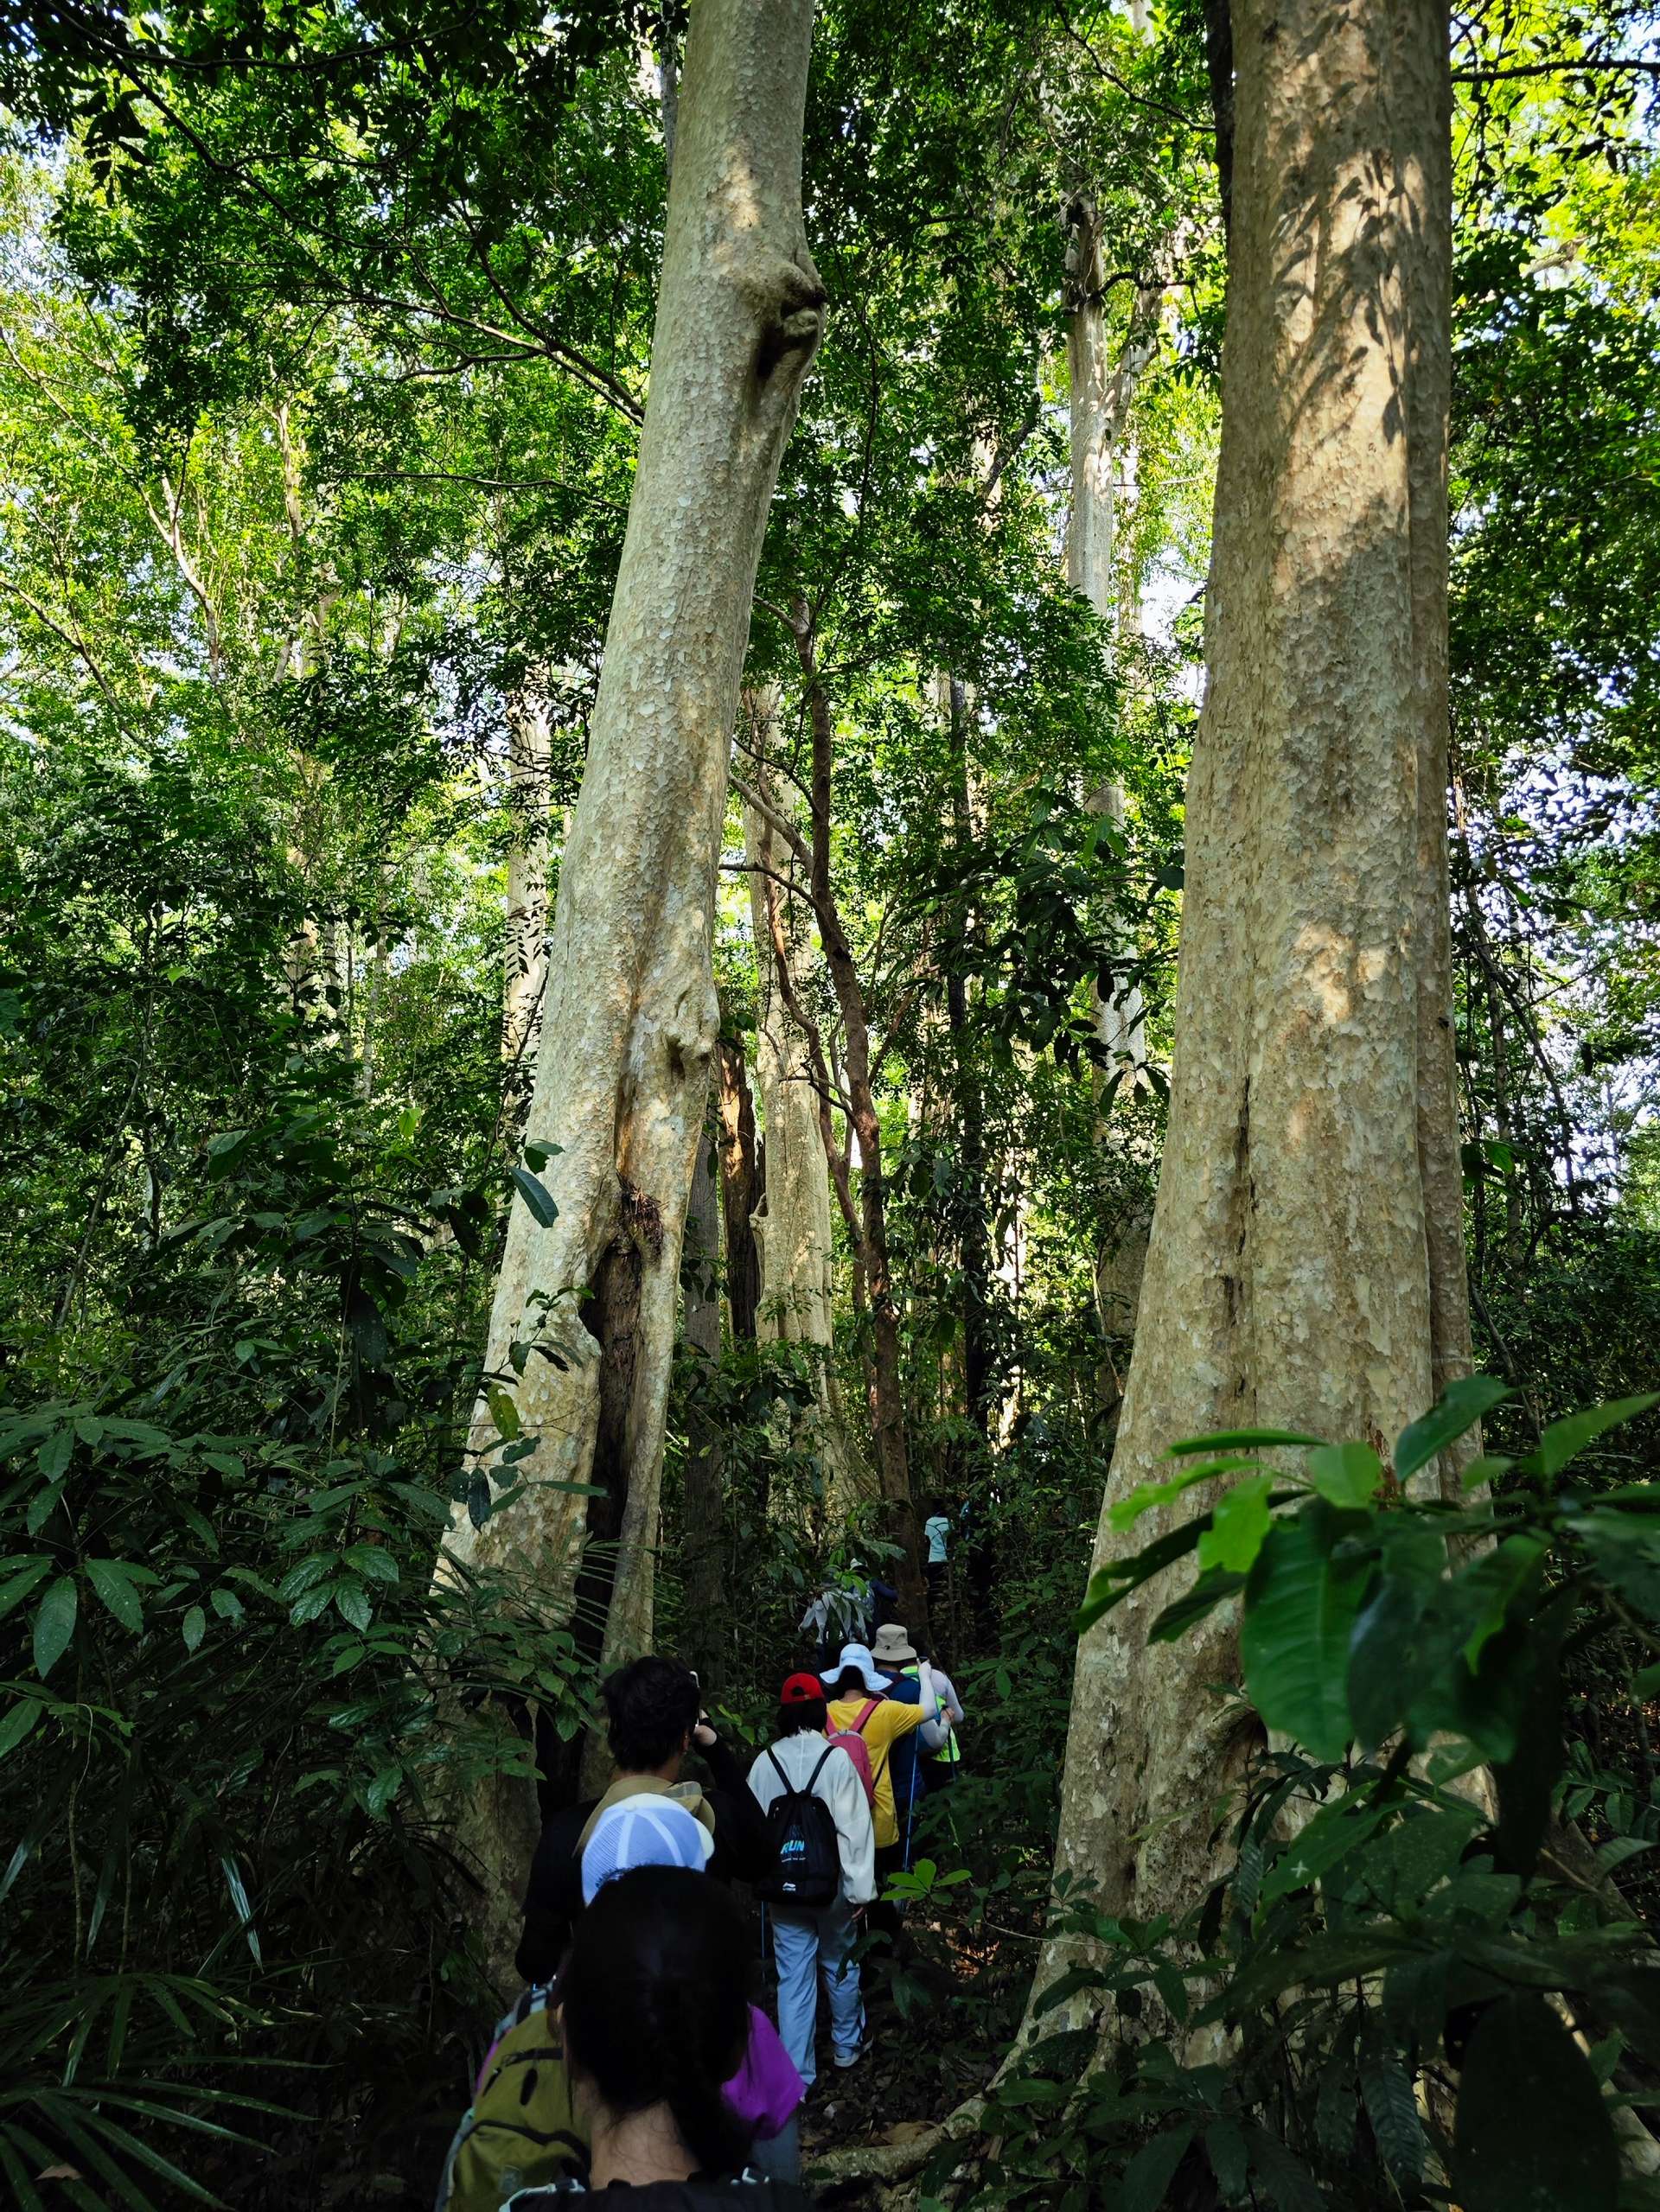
655	2008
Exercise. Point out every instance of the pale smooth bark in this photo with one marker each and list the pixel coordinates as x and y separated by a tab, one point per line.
702	1554
742	1185
630	1015
1101	395
524	953
792	1232
1305	1268
852	1085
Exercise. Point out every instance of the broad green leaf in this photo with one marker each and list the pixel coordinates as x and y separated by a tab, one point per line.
1301	1605
1286	2178
1492	1585
53	1456
504	1412
1239	1522
1486	1467
1128	1510
193	1627
17	1586
536	1196
1563	1440
20	1718
54	1624
1460	1405
226	1604
1206	1594
1532	2132
352	1603
308	1574
1145	2181
1349	1474
1329	1837
1240	1440
1390	2106
1225	2148
109	1579
1111	1584
384	1788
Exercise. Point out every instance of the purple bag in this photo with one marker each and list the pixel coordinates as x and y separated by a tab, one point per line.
766	2089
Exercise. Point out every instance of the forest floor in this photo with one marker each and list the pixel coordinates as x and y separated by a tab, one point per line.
931	2043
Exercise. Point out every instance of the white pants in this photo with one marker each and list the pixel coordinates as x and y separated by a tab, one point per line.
805	1946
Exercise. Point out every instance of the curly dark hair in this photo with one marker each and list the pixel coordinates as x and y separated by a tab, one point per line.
652	1706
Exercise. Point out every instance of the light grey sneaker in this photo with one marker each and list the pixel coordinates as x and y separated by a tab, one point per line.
846	2065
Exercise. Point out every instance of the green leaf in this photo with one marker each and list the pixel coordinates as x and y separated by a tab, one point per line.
1460	1407
1532	2132
20	1718
1328	1838
193	1627
1485	1466
1563	1440
53	1456
55	1623
1147	2178
1391	2107
504	1412
1206	1594
1111	1584
109	1579
1349	1474
1240	1440
536	1196
1239	1522
306	1576
1301	1605
384	1788
1147	1495
1493	1585
226	1604
538	1150
14	1590
352	1603
1225	2148
1286	2178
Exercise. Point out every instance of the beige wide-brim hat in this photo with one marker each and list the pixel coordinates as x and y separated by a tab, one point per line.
893	1647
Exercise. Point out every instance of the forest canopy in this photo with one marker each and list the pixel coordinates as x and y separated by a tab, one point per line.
773	772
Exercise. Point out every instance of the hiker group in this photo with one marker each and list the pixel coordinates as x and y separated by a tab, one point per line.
637	2056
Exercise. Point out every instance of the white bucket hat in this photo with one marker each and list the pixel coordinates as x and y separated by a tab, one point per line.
858	1655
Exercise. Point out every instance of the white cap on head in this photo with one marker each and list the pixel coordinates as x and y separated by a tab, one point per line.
644	1831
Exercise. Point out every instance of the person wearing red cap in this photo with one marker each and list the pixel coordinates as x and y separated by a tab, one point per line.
808	1945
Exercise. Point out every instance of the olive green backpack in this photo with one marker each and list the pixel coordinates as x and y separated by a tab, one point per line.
522	2132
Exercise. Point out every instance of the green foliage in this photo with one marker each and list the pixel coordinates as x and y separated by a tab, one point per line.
1397	1960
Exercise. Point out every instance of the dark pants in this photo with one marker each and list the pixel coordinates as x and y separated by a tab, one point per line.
883	1917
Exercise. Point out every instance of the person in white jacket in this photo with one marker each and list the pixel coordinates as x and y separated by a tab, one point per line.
807	1945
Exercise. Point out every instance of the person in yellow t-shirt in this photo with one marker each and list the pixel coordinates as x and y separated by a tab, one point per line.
859	1705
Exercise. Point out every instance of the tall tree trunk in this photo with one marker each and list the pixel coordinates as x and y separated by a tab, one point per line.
524	938
1306	1267
1102	394
703	1550
622	1074
886	1383
741	1185
974	1239
793	1244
